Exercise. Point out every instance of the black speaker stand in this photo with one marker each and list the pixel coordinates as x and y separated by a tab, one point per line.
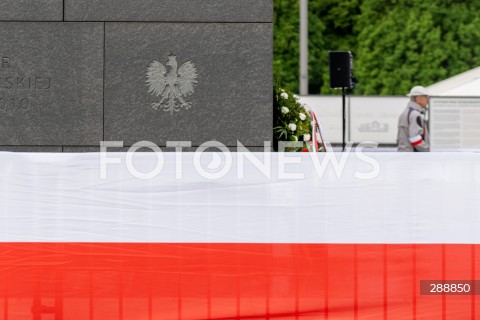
344	92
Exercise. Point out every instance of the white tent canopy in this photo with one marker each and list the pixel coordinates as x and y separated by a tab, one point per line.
466	84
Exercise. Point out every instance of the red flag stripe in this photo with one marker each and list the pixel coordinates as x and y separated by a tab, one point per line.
218	281
416	143
416	140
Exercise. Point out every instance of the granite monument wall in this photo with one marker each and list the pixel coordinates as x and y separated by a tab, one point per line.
77	72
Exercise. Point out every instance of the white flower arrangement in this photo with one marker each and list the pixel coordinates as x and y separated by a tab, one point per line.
292	121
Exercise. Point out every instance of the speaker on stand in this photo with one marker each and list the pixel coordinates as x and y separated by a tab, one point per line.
341	77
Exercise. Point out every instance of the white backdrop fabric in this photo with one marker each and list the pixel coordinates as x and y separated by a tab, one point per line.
413	198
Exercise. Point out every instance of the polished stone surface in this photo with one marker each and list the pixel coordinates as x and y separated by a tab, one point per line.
163	149
170	10
29	149
231	96
31	10
51	83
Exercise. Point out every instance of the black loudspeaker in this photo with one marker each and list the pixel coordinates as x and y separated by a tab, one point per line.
341	65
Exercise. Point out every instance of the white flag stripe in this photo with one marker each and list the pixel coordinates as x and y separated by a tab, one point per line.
415	139
416	198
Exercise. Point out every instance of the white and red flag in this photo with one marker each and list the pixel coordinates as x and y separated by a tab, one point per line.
275	237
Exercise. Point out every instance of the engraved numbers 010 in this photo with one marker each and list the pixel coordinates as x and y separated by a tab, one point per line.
11	105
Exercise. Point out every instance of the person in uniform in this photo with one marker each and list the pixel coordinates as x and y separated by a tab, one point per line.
412	127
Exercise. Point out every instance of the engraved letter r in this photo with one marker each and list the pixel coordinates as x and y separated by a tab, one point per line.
5	62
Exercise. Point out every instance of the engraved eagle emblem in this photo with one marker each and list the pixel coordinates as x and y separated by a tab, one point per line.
176	84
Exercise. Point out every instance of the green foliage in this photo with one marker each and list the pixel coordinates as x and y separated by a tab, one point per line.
286	45
396	44
286	42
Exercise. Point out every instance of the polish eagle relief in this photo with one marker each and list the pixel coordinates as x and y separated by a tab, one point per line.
171	86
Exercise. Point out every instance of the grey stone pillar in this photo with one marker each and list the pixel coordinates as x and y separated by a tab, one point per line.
77	72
